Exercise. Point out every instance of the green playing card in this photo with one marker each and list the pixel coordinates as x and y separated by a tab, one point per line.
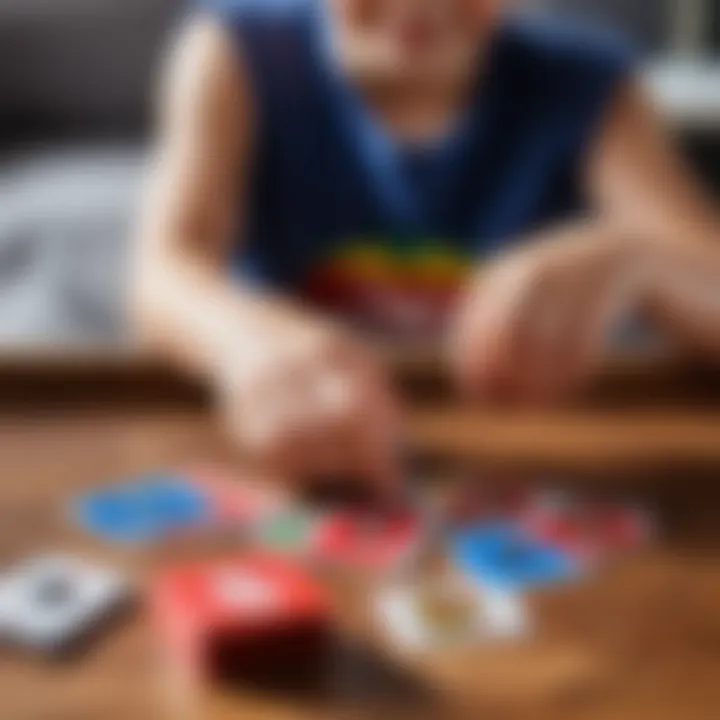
287	532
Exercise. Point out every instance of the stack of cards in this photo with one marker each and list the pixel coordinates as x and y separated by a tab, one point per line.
228	617
50	604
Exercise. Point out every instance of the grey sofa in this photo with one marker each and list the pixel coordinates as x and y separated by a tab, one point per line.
75	80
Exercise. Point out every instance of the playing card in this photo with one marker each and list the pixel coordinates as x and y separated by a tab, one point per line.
504	557
380	541
448	613
234	498
592	531
50	602
144	510
286	532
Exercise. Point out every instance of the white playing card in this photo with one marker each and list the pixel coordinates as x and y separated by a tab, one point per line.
48	602
505	613
449	613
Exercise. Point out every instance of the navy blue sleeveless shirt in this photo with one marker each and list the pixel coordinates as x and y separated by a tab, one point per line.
342	214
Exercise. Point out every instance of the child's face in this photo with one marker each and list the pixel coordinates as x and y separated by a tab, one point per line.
418	38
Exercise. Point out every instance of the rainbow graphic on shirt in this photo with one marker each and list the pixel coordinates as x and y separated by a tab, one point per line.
389	286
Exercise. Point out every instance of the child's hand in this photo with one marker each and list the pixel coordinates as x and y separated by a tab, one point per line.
533	324
307	402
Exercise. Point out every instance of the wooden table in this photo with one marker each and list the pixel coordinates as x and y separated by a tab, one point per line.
640	640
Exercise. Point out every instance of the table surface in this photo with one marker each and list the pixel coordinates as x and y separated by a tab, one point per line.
639	640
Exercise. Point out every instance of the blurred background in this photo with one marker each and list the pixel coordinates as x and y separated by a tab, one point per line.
75	105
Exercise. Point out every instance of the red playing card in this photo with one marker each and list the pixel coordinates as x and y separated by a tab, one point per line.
219	619
368	541
234	497
592	531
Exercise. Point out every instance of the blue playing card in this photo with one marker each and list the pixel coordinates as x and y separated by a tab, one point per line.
146	509
502	556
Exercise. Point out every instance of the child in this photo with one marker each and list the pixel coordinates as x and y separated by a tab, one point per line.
385	160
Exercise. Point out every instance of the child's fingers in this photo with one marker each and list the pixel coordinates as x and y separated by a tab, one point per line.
487	335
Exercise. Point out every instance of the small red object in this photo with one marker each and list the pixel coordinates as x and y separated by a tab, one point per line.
238	618
592	532
368	541
235	498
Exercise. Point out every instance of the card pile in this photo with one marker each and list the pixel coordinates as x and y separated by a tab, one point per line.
495	545
50	604
231	616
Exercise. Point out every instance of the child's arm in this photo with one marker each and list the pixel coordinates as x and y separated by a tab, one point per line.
296	392
641	183
535	323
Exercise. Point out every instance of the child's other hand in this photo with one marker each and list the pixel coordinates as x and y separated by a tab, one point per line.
308	402
533	325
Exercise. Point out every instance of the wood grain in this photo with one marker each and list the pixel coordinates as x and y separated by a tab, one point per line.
639	641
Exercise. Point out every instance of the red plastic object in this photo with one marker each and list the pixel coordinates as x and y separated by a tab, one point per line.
241	618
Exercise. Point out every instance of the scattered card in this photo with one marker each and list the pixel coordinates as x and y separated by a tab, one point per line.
50	603
143	510
288	532
504	557
448	613
368	541
234	498
592	531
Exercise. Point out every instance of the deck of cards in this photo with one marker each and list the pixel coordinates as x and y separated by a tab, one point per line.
51	603
220	619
